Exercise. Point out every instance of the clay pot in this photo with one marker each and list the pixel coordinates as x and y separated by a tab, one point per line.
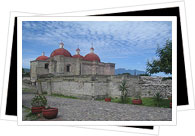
50	113
107	99
137	101
36	110
170	104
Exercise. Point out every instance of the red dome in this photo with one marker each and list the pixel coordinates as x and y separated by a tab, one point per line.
61	51
92	57
78	56
42	58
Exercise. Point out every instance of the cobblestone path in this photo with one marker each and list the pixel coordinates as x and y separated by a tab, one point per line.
89	110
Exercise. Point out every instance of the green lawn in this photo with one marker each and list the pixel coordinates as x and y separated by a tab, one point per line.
63	96
146	101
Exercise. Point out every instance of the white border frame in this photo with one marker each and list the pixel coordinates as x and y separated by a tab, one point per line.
7	64
96	123
154	131
102	11
127	8
180	4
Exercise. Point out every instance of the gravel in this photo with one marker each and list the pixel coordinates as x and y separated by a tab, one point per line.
89	110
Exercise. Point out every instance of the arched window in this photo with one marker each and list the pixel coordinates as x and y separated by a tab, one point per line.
68	68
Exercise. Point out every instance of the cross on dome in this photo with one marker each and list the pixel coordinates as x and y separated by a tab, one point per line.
42	57
77	51
61	45
43	53
92	50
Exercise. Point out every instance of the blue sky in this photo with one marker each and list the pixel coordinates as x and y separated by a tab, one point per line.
129	44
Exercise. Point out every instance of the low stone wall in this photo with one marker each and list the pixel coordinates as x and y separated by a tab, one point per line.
95	87
151	85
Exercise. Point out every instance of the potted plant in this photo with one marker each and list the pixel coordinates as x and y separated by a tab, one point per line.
38	103
50	113
170	98
107	99
137	98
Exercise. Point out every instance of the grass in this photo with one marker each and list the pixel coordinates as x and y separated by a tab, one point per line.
118	100
27	109
152	103
146	101
63	96
30	115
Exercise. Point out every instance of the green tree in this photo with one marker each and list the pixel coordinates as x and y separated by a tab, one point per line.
164	61
23	70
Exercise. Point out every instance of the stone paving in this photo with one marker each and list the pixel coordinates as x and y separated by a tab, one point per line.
89	110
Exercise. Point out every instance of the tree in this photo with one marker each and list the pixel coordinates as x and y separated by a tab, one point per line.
23	70
164	61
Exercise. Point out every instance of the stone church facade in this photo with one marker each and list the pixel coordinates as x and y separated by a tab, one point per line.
61	62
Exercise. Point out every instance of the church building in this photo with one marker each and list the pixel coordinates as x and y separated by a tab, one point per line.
61	62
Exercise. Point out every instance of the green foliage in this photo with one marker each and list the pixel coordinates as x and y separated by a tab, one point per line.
151	102
146	74
118	100
125	74
123	88
164	63
25	73
137	95
63	96
29	115
158	98
146	101
166	78
39	101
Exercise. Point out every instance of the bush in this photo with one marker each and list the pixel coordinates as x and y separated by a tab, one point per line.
166	78
39	101
123	88
158	98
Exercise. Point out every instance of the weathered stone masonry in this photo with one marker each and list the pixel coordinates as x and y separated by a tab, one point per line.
99	86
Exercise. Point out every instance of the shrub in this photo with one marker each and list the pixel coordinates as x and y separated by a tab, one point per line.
166	78
123	88
39	101
158	98
146	74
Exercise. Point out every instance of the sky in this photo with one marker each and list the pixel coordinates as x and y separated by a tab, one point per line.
128	44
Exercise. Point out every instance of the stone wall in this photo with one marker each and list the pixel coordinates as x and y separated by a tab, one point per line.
38	68
151	85
88	86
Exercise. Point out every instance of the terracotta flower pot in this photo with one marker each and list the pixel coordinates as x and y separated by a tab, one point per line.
137	101
107	99
36	110
50	113
170	104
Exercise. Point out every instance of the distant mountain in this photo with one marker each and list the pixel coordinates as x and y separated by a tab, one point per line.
117	71
132	72
26	70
